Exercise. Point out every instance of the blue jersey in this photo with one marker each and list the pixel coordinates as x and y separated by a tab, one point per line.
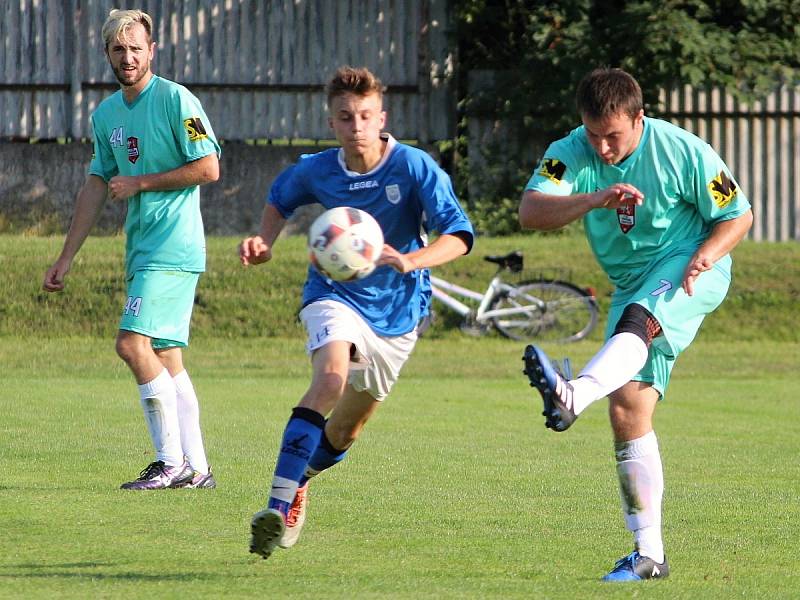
408	194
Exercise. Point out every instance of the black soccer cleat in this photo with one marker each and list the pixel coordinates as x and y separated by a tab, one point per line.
636	567
555	390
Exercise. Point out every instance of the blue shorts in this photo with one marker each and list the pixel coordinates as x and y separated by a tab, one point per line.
159	305
679	314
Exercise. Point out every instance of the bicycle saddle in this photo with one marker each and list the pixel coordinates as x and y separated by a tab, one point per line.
511	261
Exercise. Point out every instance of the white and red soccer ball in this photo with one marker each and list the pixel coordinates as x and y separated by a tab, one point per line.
344	243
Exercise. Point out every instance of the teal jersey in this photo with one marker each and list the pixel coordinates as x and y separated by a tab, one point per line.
164	128
687	190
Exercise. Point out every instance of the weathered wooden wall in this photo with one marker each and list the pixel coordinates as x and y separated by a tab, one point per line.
258	66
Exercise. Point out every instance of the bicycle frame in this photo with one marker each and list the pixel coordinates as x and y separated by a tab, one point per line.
440	287
537	308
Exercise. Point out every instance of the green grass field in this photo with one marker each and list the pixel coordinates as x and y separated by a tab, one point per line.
456	489
234	302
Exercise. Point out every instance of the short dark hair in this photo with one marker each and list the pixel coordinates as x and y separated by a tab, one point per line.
355	80
607	92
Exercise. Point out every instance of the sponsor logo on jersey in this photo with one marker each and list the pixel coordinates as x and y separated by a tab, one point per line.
362	185
723	189
194	127
133	149
553	169
626	215
393	193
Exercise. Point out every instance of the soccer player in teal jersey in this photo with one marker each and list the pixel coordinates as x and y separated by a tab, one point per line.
153	148
661	212
360	333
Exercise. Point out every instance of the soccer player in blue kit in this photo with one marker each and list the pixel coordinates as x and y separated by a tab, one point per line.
360	333
661	212
153	148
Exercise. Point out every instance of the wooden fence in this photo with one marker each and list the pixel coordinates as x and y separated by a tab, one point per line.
761	145
258	66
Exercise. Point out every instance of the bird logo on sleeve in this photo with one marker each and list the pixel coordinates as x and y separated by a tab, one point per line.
723	190
553	169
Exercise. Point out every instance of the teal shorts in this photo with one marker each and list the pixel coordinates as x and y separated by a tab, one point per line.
679	314
159	305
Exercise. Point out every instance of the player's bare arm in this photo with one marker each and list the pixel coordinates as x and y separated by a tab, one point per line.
257	249
547	211
89	203
197	172
723	238
445	248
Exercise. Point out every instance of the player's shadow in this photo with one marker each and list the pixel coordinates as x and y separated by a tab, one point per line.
87	570
75	565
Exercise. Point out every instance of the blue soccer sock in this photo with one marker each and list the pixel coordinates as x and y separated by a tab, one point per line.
300	440
324	457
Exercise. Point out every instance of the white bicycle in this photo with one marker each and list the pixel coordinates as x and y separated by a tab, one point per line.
534	310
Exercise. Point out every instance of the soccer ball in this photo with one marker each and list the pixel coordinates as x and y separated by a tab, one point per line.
344	243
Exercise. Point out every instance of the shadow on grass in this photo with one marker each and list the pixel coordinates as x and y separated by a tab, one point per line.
87	570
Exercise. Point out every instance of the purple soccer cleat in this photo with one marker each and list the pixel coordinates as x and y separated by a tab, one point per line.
159	476
200	481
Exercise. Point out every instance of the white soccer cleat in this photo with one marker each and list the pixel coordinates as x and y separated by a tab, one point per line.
295	519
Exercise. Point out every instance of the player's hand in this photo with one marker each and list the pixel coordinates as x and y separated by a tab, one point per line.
54	277
697	265
617	195
399	262
253	251
122	187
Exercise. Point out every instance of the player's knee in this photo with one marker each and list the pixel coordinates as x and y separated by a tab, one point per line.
129	348
636	319
124	350
329	385
324	393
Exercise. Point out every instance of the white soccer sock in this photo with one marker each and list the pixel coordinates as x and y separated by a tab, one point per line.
617	362
161	414
641	485
189	422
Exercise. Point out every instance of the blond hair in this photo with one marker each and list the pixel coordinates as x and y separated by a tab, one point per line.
354	80
119	21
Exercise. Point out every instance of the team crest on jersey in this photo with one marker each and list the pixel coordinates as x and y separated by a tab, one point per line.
393	193
553	169
626	215
194	127
723	190
133	149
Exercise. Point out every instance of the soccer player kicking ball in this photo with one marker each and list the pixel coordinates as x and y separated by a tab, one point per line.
360	333
661	212
153	148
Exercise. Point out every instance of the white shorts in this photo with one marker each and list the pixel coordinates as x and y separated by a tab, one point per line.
376	361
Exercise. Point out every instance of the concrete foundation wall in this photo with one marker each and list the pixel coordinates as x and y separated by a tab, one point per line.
39	183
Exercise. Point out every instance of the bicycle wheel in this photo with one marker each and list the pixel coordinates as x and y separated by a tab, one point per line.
547	310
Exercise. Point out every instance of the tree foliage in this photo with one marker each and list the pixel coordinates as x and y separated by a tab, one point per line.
538	51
